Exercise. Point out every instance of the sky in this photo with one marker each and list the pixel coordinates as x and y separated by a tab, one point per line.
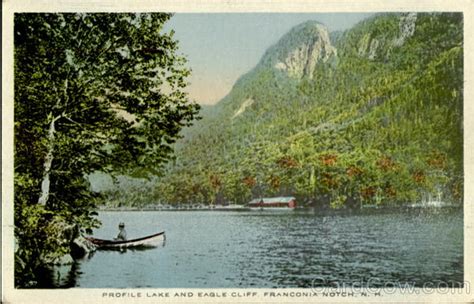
220	47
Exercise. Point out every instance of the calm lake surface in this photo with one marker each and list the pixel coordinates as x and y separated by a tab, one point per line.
251	249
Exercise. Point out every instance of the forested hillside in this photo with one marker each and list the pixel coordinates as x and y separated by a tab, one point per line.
372	115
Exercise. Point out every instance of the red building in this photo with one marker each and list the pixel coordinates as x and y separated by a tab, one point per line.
273	202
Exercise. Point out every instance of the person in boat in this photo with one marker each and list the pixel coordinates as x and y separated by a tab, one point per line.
122	236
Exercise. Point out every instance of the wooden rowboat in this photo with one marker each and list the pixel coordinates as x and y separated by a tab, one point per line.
153	240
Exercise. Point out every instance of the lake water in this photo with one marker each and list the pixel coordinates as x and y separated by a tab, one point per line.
251	249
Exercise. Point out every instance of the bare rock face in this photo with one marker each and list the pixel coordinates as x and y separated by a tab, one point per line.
374	45
81	247
407	28
247	103
371	46
296	55
300	51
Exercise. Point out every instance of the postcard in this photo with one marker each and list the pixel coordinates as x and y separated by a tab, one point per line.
236	152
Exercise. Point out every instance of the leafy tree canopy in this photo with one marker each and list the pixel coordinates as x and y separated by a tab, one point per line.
92	92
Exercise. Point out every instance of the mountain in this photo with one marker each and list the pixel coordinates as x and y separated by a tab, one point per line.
371	115
299	52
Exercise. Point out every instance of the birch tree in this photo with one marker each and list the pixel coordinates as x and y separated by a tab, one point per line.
92	92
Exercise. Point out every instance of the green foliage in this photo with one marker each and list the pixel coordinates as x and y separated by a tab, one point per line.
92	92
380	128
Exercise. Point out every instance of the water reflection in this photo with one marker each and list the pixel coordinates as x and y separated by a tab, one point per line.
64	276
131	249
266	250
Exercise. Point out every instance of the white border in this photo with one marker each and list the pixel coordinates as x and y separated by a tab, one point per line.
77	295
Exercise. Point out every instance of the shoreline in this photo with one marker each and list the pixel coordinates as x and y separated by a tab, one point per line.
286	210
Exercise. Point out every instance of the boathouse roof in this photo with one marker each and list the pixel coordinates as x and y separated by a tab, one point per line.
271	200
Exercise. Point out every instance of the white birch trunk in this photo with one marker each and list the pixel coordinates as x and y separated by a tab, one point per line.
43	199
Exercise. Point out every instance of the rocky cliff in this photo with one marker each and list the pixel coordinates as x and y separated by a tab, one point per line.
371	115
301	50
